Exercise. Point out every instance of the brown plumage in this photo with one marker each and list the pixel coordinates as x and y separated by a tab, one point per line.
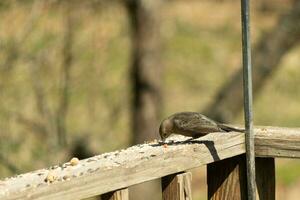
191	124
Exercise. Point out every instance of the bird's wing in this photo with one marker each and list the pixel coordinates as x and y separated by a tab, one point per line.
196	123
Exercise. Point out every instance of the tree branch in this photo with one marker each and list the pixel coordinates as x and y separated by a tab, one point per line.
266	57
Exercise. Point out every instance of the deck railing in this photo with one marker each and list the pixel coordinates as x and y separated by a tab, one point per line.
110	174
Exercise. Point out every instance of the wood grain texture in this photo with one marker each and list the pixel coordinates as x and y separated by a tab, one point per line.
277	142
177	186
121	194
111	171
226	179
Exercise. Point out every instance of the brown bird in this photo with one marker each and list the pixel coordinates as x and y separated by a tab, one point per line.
191	124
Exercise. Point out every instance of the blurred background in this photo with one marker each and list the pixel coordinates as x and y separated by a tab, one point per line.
79	78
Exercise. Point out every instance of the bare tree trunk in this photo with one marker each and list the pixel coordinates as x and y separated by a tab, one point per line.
266	57
145	77
145	69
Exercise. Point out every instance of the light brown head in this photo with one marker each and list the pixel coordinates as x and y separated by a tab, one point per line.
166	128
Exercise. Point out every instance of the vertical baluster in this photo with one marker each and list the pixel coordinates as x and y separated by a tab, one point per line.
121	194
177	186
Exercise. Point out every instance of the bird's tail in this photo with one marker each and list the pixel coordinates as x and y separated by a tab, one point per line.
229	128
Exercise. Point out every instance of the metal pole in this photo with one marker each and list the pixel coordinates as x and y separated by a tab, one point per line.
247	74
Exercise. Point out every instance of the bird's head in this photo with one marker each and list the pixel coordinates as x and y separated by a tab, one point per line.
166	128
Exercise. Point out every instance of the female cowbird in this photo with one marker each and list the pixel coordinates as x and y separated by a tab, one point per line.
191	124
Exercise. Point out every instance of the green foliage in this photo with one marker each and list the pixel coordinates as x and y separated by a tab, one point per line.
288	173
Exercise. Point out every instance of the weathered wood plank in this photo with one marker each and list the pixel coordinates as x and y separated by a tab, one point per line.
265	178
120	169
177	186
111	171
121	194
226	179
277	142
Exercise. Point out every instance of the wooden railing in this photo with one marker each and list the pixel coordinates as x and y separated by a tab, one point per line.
110	174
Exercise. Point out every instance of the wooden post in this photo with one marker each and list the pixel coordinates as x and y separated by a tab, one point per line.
265	178
116	195
177	186
226	179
